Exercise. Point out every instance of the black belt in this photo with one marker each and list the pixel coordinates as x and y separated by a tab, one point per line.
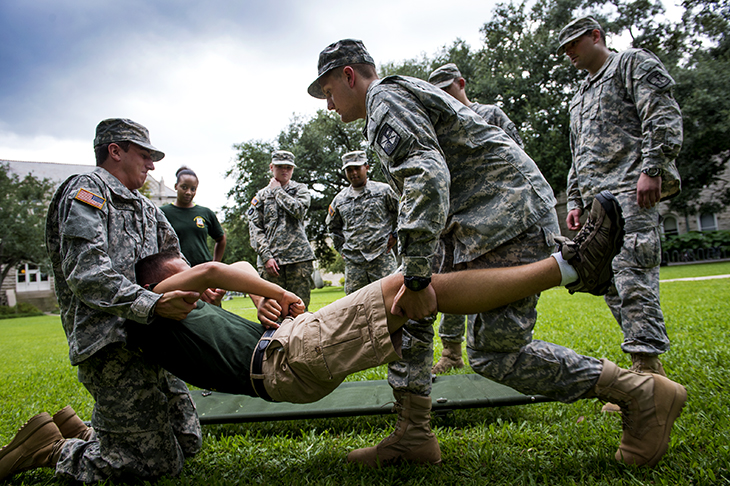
257	364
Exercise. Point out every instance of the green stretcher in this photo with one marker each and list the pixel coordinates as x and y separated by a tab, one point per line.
354	398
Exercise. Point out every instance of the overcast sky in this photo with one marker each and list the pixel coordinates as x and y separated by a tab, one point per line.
200	76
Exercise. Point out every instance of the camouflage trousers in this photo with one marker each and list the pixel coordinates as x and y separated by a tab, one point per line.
358	275
294	277
634	297
499	342
452	327
144	419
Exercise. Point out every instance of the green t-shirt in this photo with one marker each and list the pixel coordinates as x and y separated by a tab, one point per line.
193	225
211	348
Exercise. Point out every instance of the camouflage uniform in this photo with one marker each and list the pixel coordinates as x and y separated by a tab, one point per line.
468	183
276	226
144	418
494	115
360	223
451	326
624	120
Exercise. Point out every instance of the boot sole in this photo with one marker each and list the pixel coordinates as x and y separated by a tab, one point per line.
29	428
613	212
680	398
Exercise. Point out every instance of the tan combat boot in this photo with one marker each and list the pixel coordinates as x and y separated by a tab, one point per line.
645	363
649	405
412	439
71	426
642	363
37	444
450	358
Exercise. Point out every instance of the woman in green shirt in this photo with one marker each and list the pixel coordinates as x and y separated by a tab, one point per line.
193	223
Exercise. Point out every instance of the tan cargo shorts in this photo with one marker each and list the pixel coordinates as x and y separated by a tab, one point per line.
310	356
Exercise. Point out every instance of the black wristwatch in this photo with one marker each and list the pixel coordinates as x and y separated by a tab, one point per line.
653	171
416	283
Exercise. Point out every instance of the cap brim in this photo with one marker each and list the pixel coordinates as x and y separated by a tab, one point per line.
315	89
284	163
444	84
156	155
561	47
354	164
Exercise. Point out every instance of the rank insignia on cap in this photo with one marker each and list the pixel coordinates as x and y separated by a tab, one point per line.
90	198
331	210
657	79
254	201
389	139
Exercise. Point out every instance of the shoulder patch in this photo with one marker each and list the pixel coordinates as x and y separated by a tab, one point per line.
250	212
658	79
388	139
90	198
331	210
254	201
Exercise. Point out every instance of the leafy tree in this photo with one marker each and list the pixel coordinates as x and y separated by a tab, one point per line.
702	94
23	208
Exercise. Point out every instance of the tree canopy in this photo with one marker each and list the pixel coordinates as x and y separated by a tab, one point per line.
23	208
517	68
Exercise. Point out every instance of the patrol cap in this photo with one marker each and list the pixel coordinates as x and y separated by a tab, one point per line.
283	157
125	130
355	158
575	29
341	53
445	75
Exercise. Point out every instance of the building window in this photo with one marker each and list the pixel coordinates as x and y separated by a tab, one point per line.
708	222
670	226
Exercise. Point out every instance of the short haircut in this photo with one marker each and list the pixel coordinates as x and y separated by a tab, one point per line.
101	152
151	269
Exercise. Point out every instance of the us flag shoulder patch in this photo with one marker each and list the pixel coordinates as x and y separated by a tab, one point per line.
90	198
388	139
331	210
254	201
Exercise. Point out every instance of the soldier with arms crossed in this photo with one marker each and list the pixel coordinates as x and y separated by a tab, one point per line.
276	227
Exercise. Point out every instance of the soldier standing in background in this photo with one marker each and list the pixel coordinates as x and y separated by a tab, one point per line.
625	133
276	227
362	221
452	326
448	78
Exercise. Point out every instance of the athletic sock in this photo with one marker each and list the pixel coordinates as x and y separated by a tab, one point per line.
567	272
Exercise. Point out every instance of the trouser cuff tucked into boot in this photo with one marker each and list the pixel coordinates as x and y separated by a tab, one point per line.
412	439
451	358
649	404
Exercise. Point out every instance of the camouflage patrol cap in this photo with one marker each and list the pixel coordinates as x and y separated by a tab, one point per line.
124	130
575	29
283	157
445	75
355	158
341	53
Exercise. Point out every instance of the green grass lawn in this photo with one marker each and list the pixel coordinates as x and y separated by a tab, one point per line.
550	443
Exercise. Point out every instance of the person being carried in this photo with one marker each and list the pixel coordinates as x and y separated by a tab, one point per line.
309	355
